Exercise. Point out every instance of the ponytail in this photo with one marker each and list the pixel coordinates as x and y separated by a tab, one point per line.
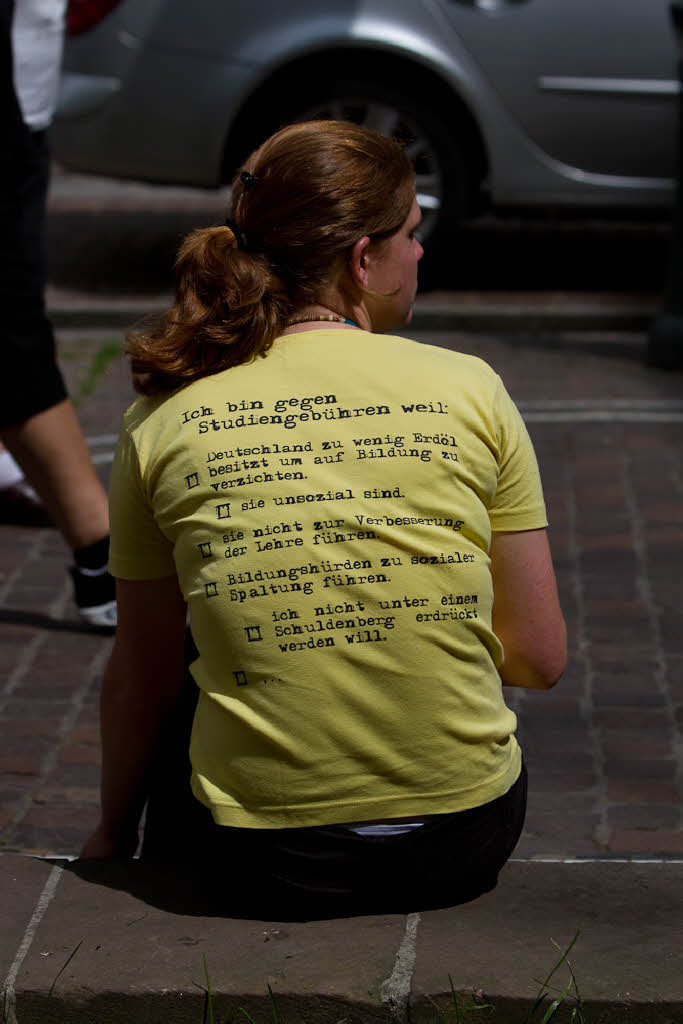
229	308
302	200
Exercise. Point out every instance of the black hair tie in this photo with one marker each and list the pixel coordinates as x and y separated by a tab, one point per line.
237	232
248	180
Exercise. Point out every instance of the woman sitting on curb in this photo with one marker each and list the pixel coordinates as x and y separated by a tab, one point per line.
357	525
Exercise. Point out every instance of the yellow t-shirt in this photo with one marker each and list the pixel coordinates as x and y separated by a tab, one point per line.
328	512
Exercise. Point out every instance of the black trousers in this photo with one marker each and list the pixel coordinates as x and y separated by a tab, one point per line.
309	873
31	381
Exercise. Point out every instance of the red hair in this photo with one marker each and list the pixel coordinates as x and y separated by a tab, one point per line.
299	203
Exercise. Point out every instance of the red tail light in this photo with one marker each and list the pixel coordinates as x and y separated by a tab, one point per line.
82	15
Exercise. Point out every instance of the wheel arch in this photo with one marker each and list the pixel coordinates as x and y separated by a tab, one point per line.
266	108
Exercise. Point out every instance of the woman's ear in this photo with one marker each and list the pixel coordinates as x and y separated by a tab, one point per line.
358	261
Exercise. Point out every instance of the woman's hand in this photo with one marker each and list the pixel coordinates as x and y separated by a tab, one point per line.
102	845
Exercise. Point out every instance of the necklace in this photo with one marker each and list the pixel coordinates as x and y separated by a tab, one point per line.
330	318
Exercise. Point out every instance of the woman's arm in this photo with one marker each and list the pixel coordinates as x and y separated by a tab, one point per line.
141	683
527	618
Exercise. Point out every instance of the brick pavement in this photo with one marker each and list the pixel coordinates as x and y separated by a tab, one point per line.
604	748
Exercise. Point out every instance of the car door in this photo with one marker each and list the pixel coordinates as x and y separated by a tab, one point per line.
593	83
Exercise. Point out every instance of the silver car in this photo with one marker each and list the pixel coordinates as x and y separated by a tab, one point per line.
510	103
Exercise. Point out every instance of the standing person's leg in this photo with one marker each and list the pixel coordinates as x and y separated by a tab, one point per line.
37	422
31	380
51	450
19	503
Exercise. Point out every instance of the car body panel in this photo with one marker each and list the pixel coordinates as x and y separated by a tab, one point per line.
153	91
583	103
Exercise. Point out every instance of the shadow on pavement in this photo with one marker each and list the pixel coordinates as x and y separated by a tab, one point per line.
133	251
17	617
191	890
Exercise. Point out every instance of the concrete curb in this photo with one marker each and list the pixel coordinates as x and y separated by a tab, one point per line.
456	312
532	317
137	960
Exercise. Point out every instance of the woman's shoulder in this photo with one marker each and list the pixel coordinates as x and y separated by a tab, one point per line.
447	359
151	416
144	406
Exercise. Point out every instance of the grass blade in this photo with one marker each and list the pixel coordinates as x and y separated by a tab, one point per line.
552	1009
64	966
455	1000
577	1012
273	1005
541	993
209	998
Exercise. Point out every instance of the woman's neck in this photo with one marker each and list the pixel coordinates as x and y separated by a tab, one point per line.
316	315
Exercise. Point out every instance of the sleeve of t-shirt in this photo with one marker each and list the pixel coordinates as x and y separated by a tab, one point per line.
138	550
518	503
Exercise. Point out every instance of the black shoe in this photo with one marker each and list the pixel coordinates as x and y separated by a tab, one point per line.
95	593
21	506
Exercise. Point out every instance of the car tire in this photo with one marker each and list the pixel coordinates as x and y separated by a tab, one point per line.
442	177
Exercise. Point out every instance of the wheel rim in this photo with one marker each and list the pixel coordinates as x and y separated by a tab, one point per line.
388	120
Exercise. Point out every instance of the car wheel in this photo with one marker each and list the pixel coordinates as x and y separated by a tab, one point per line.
441	172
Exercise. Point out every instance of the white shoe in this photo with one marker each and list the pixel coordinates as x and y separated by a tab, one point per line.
101	616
